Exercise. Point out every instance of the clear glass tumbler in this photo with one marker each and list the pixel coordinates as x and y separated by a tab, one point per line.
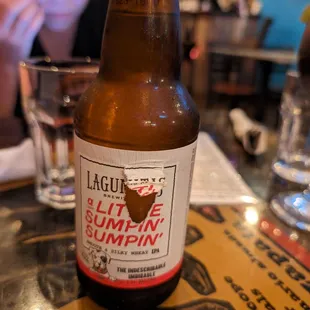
50	91
293	159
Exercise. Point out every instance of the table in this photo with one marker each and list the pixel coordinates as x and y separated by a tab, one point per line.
238	257
281	57
266	59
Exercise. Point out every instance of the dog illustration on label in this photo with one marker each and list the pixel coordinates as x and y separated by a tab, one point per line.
101	260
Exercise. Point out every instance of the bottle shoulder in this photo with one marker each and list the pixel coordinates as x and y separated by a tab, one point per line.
131	115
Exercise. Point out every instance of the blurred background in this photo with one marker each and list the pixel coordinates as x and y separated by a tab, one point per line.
237	52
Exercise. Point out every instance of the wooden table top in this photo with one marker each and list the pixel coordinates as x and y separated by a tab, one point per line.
282	57
239	257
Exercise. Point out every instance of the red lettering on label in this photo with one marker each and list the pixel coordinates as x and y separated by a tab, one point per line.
130	239
139	189
151	239
144	190
115	240
98	208
89	216
149	191
130	225
155	211
96	222
150	224
101	238
120	208
89	231
122	240
140	240
115	224
140	228
111	208
90	201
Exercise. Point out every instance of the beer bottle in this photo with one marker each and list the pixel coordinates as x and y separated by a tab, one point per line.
135	139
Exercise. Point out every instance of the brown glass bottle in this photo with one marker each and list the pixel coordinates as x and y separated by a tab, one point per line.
138	103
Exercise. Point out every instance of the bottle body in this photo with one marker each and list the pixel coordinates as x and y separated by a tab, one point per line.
136	129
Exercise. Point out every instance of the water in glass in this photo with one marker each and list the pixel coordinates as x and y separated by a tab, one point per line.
50	92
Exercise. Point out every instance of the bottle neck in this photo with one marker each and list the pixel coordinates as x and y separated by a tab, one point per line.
142	41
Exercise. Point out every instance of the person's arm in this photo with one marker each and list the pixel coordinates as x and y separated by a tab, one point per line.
8	89
20	21
11	129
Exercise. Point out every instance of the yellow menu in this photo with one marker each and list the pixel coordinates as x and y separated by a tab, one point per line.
235	259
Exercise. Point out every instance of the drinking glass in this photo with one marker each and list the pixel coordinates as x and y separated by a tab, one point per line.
50	91
293	159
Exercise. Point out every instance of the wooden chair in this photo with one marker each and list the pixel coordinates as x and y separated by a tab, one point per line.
233	76
188	23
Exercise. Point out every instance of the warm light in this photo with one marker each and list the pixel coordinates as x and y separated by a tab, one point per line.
294	237
16	226
251	216
277	232
5	212
66	99
248	199
194	53
264	225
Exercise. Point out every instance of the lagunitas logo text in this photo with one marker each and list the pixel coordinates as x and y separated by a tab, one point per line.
96	182
106	184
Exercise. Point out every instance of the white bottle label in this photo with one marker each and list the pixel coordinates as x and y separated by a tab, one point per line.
113	247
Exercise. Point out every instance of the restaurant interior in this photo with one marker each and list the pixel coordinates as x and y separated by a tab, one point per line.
247	241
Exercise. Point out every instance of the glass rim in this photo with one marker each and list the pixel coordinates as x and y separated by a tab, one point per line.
31	64
293	73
